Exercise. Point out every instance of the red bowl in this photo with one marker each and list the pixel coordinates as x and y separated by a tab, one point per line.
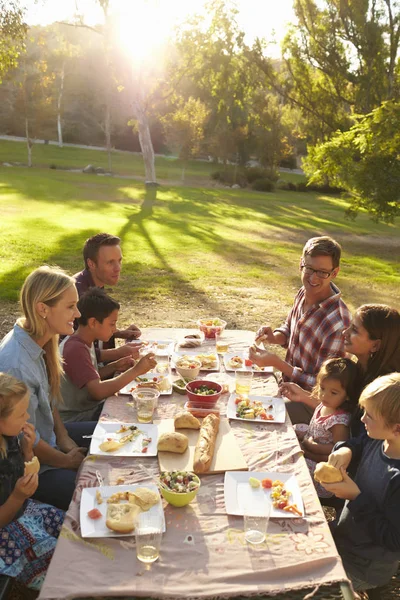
200	398
210	330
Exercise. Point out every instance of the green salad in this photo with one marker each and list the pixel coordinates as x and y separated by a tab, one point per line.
180	482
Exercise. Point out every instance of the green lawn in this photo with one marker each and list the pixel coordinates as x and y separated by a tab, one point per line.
124	163
190	251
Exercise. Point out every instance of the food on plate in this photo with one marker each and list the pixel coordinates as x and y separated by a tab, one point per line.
94	514
146	384
204	451
125	428
253	409
144	497
204	390
180	385
99	497
192	340
326	473
208	361
266	483
254	482
185	420
110	446
173	442
180	482
236	362
121	517
32	466
280	498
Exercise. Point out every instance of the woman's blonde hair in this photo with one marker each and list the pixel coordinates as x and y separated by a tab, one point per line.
11	392
384	392
45	284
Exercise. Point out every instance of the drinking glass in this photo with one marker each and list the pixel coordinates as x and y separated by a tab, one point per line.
221	342
243	381
148	533
146	402
255	523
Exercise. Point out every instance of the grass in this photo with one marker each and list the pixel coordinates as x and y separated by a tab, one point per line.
188	252
123	163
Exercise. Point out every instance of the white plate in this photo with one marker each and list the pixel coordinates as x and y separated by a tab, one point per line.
243	356
104	431
278	411
193	352
159	347
238	493
127	389
97	527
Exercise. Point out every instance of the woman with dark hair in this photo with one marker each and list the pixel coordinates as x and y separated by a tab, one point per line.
373	337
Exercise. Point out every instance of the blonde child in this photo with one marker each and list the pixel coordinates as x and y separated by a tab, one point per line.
337	389
28	529
368	533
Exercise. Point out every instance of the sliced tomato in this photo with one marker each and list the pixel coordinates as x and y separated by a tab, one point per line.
144	450
263	416
238	400
282	504
266	483
248	362
94	514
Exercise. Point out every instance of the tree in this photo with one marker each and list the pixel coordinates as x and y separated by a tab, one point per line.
364	161
12	35
184	128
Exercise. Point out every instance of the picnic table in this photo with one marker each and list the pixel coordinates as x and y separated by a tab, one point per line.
203	552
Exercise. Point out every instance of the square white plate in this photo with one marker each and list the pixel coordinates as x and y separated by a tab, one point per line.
238	493
159	347
104	431
127	389
97	527
278	411
243	356
193	352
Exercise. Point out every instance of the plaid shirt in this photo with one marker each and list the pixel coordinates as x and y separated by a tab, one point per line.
314	336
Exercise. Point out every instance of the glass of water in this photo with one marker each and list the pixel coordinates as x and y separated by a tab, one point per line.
255	523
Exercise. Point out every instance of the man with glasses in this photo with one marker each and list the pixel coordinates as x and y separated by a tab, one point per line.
313	329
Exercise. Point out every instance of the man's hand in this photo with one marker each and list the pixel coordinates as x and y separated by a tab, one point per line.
340	458
346	489
26	486
28	440
74	458
262	358
265	334
130	333
146	363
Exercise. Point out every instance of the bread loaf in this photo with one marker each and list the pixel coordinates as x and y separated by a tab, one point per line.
121	517
173	442
185	420
205	446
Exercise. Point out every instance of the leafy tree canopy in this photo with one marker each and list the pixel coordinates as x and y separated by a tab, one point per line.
12	35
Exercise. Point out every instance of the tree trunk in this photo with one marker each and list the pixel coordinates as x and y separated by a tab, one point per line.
28	142
146	144
59	103
108	133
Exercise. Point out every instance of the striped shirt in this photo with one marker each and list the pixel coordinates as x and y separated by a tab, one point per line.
314	336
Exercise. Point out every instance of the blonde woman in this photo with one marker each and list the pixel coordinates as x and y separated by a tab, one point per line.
30	353
28	529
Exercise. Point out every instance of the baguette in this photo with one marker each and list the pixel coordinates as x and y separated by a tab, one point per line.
205	446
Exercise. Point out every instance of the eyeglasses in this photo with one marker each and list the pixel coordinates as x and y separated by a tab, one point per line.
320	274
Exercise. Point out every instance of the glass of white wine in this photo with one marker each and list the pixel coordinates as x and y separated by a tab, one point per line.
148	533
221	342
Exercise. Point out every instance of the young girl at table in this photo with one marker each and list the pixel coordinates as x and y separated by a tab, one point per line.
28	529
337	389
368	533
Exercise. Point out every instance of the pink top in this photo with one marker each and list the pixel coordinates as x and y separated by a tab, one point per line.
320	427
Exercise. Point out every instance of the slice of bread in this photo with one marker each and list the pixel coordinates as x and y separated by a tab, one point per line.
33	466
121	517
326	473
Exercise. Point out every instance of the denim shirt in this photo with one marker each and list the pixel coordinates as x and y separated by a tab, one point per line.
22	357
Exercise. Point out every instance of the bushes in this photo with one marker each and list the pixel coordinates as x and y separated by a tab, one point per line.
263	184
